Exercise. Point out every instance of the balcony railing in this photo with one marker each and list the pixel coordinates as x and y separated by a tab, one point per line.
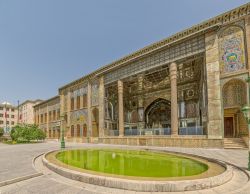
151	131
198	130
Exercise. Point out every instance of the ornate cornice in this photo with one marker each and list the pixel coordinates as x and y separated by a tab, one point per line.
219	20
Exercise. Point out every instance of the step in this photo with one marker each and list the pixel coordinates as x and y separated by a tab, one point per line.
240	148
234	143
233	140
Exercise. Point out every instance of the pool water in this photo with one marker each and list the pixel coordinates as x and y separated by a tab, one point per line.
132	163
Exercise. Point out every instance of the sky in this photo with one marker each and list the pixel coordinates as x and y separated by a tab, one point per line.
45	44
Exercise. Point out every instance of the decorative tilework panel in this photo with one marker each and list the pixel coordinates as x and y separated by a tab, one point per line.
79	117
232	50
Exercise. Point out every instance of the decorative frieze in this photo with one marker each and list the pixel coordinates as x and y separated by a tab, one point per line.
186	48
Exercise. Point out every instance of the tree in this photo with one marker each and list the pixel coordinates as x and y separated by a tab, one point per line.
26	133
1	132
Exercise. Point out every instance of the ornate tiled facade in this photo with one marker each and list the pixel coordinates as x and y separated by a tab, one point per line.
187	87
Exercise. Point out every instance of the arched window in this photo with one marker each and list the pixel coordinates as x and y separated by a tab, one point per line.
78	129
78	100
72	105
72	131
234	93
84	130
84	99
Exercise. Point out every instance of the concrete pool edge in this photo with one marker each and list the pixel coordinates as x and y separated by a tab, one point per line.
144	186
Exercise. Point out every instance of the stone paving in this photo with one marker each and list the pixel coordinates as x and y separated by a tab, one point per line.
16	161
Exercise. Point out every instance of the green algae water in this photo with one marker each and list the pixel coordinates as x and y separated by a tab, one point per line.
132	163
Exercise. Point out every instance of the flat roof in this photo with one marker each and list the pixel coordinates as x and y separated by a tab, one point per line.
30	101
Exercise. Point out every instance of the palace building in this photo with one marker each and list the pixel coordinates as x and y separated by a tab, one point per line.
47	116
26	111
186	90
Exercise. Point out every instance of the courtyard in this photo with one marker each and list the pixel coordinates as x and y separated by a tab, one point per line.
170	117
22	176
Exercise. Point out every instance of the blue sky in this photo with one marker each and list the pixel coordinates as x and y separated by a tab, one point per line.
44	44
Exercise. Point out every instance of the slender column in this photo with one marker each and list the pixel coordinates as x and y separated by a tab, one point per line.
174	103
89	133
68	115
81	101
47	121
101	107
140	110
60	116
120	108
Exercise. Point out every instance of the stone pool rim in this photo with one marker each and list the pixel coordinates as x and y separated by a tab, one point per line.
204	174
145	185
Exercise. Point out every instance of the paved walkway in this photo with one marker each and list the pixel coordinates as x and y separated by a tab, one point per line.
16	161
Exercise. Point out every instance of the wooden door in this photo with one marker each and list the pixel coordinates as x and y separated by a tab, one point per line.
228	127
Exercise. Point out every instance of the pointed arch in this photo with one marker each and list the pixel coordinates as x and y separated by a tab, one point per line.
158	114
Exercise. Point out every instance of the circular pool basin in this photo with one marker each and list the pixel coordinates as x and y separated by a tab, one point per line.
138	169
132	163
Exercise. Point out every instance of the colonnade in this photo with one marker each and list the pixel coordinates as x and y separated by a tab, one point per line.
120	89
174	102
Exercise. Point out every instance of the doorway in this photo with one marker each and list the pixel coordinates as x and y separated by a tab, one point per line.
228	127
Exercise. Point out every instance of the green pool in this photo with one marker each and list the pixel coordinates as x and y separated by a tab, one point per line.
132	163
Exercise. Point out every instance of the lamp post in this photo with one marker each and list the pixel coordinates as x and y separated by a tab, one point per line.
246	112
62	132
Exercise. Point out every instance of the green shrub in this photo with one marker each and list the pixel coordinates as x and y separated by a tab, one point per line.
27	133
1	132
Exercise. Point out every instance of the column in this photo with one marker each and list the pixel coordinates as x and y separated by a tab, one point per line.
61	113
47	121
140	110
81	101
120	108
174	103
89	132
67	128
214	110
101	107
